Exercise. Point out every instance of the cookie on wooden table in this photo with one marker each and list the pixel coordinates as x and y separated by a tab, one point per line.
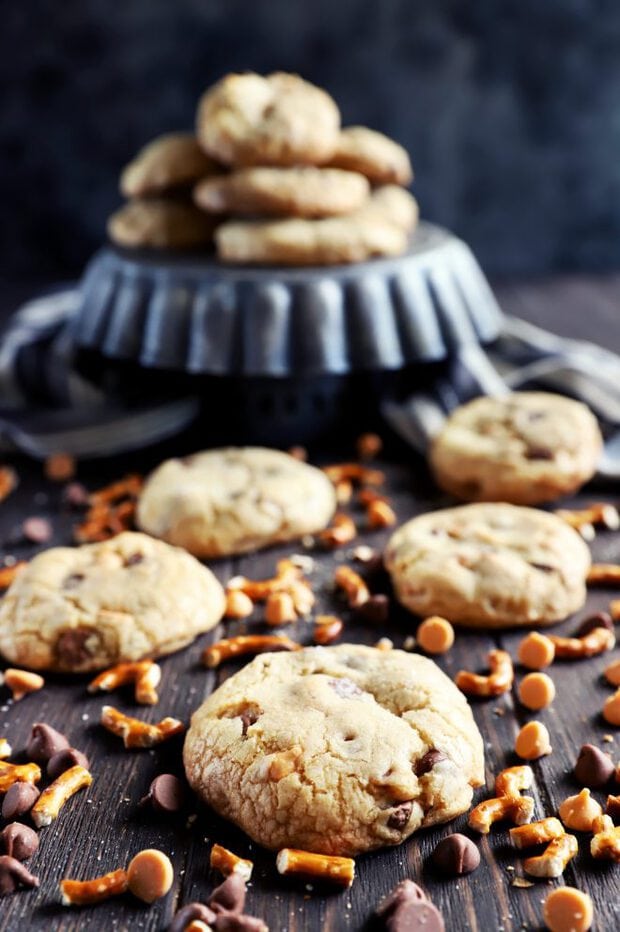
335	749
160	224
234	500
525	448
305	191
489	566
280	119
379	158
76	609
166	164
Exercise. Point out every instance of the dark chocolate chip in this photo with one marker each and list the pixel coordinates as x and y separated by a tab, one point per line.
64	760
413	916
37	530
73	580
44	742
166	794
248	717
71	648
19	799
188	914
19	841
593	768
539	453
345	688
403	892
13	874
543	567
598	620
612	808
426	763
75	495
400	815
455	855
134	559
229	897
376	610
233	922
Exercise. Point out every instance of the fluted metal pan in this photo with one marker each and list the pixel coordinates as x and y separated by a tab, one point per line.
196	315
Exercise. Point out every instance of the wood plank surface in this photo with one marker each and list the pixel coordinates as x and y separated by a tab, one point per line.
100	829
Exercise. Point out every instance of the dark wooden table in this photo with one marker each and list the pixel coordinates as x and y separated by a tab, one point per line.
102	828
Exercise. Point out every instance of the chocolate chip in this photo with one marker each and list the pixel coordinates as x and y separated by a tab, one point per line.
71	648
413	916
73	580
75	495
405	891
543	567
400	815
166	794
345	688
37	530
376	610
598	620
19	841
44	742
134	559
612	808
189	913
593	768
428	761
19	799
539	453
13	874
248	717
64	760
455	855
232	922
229	897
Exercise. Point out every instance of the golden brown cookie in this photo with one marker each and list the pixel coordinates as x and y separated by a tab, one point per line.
373	154
330	241
290	192
393	204
166	164
525	448
160	224
280	119
335	749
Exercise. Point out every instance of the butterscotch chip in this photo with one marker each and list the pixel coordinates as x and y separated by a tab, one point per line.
150	875
280	119
288	192
536	691
612	673
435	635
375	155
611	709
568	910
60	467
160	224
580	811
169	162
533	741
536	651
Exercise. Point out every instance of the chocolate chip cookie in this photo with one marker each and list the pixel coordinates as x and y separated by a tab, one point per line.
234	500
76	609
526	448
169	163
489	566
161	224
335	749
373	154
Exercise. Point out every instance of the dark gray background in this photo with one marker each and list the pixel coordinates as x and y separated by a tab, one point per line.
510	109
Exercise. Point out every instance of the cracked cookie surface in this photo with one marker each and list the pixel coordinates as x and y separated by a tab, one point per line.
489	565
234	500
76	609
335	749
526	448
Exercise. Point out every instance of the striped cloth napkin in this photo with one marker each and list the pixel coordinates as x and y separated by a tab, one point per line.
49	406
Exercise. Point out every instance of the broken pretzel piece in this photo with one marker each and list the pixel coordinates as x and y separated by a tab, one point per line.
316	866
553	860
341	531
380	514
517	809
5	749
88	892
21	682
227	862
238	604
144	674
260	589
353	586
136	733
536	833
584	520
605	844
604	574
326	629
512	780
595	642
53	798
17	773
354	472
497	682
228	648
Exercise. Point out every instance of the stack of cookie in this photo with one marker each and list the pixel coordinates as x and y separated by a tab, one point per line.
275	180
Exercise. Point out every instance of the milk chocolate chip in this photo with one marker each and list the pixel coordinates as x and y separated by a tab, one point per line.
189	913
44	742
455	855
400	815
426	763
71	648
166	794
19	799
64	760
229	897
13	874
19	841
593	768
